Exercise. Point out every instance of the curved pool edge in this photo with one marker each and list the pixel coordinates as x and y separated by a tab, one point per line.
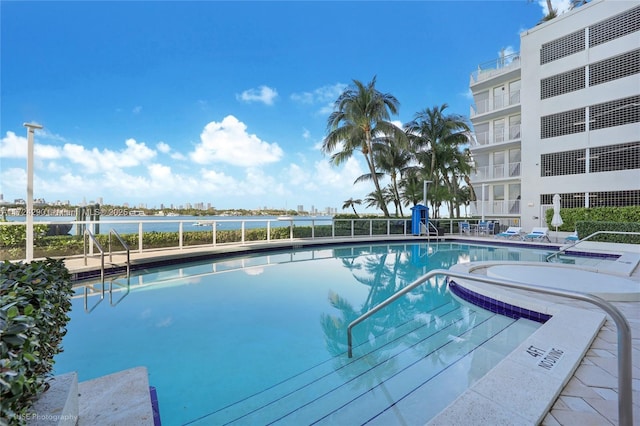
523	387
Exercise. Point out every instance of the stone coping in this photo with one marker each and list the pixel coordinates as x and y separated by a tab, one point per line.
522	388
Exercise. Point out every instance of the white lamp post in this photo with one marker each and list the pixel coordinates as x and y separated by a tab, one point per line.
31	127
483	185
425	191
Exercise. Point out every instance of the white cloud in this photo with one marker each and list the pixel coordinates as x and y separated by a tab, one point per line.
163	147
263	94
14	146
324	96
137	109
560	6
229	142
96	161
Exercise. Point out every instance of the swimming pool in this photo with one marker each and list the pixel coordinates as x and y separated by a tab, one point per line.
262	339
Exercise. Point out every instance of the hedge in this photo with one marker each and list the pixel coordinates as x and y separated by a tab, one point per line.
571	217
35	299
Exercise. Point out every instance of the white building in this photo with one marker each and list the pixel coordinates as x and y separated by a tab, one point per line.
562	116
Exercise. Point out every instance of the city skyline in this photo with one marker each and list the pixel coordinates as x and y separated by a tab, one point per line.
229	110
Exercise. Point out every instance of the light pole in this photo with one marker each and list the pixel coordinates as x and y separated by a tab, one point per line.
425	191
483	185
31	127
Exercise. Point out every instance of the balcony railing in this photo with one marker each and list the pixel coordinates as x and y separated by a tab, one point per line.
495	207
499	102
499	136
490	69
497	171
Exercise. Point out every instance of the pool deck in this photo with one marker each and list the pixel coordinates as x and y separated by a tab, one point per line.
588	395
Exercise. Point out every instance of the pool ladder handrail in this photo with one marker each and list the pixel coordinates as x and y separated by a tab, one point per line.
94	240
625	396
424	228
124	245
565	248
88	233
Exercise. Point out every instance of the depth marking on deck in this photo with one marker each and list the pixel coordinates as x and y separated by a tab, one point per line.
546	359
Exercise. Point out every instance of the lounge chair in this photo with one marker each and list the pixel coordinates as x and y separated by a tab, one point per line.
512	232
537	234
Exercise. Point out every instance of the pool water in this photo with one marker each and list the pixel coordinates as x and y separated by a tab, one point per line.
262	339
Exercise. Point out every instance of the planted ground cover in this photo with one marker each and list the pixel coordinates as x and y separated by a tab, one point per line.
35	299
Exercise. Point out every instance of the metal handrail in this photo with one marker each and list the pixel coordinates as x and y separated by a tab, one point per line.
87	232
625	401
124	244
564	249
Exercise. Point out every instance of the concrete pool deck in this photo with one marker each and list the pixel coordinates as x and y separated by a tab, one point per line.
588	395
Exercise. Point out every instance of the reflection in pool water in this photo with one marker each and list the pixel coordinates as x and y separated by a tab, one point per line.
258	339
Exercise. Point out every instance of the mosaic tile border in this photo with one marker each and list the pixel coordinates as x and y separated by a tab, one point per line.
496	306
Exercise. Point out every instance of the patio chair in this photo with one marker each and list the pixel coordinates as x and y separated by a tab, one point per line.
464	228
485	228
512	232
537	234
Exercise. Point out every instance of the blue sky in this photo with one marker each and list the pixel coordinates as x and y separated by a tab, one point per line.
222	102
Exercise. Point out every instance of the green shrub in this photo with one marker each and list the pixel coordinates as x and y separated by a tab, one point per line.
570	217
586	228
35	299
12	236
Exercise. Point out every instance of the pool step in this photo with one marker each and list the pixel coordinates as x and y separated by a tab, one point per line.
387	368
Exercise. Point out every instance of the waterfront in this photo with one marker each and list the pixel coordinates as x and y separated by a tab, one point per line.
131	224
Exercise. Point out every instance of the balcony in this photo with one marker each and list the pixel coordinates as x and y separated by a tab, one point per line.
495	207
496	67
498	171
498	103
496	137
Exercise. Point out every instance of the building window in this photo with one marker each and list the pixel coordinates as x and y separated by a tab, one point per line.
566	82
514	162
563	163
614	27
614	113
514	92
482	102
563	123
613	68
610	158
498	130
596	199
567	200
514	127
482	133
564	46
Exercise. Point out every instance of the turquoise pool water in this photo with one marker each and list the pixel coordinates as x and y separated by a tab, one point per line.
262	339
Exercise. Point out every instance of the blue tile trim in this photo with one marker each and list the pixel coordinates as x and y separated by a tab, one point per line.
154	406
496	306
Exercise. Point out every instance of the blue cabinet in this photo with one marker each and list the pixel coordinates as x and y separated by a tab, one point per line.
419	219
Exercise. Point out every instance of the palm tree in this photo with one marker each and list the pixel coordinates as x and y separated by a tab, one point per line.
436	138
361	115
551	12
391	159
396	162
352	203
378	199
411	188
